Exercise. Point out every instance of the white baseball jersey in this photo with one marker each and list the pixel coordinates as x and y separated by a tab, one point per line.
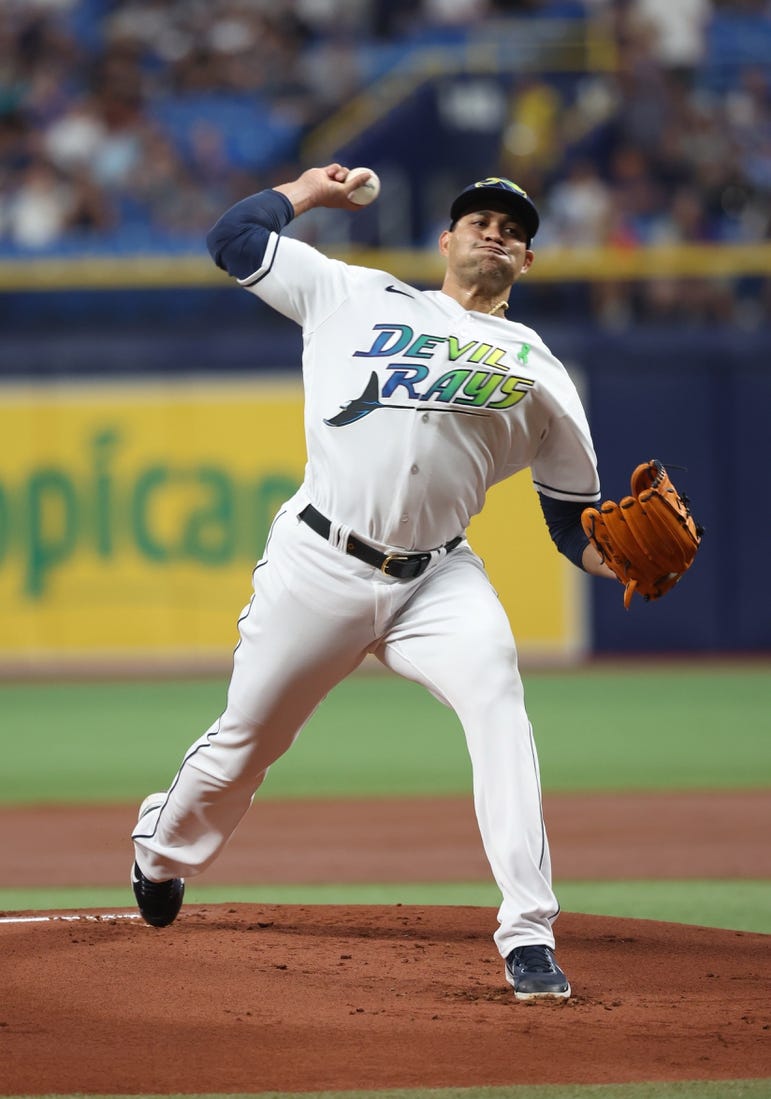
416	406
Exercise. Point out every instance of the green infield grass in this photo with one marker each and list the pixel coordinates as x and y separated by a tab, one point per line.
597	728
737	905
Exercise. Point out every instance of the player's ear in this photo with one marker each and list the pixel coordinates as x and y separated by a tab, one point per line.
529	257
444	241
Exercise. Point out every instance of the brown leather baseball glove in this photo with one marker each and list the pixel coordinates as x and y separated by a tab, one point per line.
649	538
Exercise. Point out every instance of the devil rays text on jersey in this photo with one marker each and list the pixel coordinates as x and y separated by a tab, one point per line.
461	389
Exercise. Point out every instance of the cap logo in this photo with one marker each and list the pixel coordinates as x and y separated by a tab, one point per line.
499	181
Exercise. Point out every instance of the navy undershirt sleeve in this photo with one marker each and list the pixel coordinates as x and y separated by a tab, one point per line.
237	242
563	518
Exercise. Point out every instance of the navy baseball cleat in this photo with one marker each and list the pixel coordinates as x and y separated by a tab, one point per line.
159	902
534	974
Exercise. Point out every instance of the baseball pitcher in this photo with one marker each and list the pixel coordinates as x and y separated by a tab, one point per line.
416	402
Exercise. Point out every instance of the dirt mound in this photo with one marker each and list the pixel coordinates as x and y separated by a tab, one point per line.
276	997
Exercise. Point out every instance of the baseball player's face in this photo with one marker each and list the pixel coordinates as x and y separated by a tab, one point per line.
486	246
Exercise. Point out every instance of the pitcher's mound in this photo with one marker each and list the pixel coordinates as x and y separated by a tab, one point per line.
253	998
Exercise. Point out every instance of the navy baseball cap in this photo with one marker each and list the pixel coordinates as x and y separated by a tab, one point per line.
517	201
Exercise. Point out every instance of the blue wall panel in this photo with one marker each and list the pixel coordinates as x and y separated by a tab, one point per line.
703	401
651	410
745	504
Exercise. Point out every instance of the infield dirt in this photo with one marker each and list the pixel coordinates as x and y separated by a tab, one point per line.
251	998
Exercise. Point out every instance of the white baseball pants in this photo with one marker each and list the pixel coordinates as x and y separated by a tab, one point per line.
315	613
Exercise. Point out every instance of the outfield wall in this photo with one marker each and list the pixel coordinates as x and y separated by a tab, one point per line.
131	516
86	471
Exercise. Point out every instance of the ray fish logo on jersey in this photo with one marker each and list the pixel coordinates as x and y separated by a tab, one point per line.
481	384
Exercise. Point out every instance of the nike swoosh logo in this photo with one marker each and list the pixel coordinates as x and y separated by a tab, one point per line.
395	290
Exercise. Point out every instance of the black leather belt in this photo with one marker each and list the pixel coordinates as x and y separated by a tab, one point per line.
403	566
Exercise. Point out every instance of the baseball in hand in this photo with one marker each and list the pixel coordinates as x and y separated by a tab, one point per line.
368	191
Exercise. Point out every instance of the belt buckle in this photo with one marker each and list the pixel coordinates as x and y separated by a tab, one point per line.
389	557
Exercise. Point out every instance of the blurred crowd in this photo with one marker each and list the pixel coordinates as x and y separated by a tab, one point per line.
665	147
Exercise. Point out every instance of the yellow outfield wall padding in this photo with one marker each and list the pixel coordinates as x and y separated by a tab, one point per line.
131	517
